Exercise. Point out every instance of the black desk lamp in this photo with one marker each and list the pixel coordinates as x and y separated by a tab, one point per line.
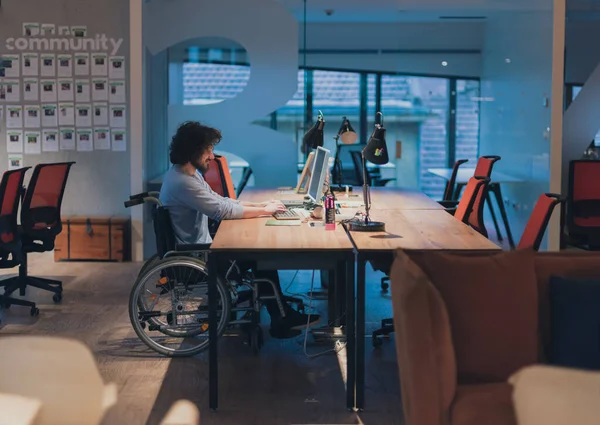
348	136
375	152
314	137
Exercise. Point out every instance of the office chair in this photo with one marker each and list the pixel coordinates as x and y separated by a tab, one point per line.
465	209
219	179
349	176
243	181
583	204
450	193
10	239
40	224
538	221
372	180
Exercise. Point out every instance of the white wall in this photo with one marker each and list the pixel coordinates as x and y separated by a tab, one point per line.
513	124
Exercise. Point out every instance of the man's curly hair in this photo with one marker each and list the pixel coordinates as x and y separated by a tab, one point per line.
191	140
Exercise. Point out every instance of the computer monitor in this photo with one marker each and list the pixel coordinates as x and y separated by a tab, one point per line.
317	178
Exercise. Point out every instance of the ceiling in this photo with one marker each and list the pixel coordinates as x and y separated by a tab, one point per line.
420	10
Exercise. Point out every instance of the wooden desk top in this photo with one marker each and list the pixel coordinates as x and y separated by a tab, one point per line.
420	229
252	234
387	198
382	198
465	173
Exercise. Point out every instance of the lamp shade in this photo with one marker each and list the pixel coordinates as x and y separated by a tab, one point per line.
314	137
347	133
376	149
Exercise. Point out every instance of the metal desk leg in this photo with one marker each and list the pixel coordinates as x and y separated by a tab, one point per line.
495	187
350	335
336	291
360	332
213	362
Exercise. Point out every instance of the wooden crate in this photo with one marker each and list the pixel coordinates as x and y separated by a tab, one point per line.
93	238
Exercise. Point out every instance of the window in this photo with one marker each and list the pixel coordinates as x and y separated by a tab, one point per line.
467	121
337	95
416	112
289	119
206	83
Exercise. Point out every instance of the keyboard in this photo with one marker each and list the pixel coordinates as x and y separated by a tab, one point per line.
292	214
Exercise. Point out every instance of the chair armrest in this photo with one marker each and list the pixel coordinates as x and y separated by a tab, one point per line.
447	203
192	247
424	347
450	211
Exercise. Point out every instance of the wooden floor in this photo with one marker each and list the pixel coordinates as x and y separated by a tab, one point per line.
281	386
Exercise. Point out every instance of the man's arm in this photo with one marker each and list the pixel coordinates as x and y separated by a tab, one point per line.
201	198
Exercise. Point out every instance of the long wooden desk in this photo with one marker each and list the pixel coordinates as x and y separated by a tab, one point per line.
409	229
413	221
382	198
281	248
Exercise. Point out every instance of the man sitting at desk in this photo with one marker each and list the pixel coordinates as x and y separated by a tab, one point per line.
191	202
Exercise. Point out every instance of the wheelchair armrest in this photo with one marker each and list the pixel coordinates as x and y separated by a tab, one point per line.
192	247
448	203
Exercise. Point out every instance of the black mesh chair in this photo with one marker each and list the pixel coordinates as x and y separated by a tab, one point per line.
41	223
10	238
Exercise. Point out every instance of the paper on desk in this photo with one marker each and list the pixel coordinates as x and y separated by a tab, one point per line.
275	222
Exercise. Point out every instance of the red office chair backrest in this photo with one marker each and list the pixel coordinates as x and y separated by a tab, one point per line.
219	179
485	165
465	206
538	221
449	192
10	193
40	214
584	193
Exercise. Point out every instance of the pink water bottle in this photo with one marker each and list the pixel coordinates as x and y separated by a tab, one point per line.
330	212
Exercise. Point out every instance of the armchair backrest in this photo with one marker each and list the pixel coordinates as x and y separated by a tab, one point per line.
40	214
10	195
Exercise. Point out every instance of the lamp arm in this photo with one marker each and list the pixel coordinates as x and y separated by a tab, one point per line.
366	191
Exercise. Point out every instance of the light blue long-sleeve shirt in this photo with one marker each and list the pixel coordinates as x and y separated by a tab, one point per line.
190	202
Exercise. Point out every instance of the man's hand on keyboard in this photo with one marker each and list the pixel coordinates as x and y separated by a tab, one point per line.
274	207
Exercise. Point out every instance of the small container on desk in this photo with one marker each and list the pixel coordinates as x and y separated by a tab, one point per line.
329	212
93	239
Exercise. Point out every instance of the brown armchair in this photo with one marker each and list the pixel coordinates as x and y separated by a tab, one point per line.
466	321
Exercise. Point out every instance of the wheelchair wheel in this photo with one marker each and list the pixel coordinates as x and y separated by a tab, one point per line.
168	307
149	263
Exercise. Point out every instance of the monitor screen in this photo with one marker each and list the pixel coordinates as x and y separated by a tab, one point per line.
317	178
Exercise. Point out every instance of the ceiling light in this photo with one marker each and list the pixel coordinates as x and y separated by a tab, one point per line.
444	63
507	60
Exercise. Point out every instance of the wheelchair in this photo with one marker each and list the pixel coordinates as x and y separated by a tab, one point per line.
168	303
